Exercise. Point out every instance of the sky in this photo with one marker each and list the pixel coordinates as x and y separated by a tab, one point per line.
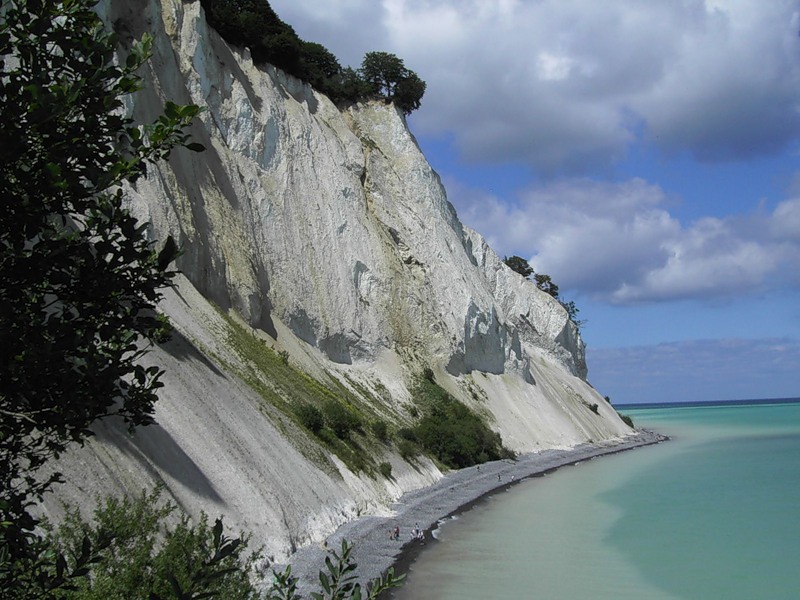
645	155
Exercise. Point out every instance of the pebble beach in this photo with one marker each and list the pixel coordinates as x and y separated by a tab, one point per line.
375	551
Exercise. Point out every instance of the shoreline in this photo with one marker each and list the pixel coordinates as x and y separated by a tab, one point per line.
458	491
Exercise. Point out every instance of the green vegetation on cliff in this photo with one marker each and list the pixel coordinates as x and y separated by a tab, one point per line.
545	283
255	25
452	432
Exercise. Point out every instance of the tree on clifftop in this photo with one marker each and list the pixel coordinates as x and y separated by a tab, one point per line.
545	283
386	75
518	265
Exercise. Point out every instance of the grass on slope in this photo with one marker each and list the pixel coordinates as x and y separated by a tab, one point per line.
346	418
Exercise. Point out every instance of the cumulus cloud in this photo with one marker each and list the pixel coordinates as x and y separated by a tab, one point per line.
618	242
567	85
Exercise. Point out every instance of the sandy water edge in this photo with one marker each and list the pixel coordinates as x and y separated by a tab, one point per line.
456	492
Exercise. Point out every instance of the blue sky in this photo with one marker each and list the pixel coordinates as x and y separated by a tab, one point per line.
646	155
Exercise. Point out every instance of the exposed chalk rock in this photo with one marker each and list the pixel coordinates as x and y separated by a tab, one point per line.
325	234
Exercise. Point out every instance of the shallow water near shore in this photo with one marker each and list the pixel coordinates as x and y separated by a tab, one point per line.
710	514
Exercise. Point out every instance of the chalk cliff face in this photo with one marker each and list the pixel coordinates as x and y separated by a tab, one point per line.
325	235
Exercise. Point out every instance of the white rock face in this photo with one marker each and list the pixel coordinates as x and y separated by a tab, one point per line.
327	233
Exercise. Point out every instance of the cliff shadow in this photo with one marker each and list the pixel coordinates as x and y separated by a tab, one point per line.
156	451
182	349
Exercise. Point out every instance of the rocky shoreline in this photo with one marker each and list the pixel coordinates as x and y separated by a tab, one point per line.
375	551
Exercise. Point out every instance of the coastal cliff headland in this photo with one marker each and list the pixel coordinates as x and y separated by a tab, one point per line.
322	265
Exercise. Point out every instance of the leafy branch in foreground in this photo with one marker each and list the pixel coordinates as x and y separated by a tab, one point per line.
146	548
79	278
339	583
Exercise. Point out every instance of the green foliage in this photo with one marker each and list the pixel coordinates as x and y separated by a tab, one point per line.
288	389
79	279
382	71
406	433
339	580
311	418
386	469
341	419
386	75
545	283
518	265
380	430
572	311
407	449
141	556
542	281
321	67
347	86
626	419
453	433
254	24
145	549
409	92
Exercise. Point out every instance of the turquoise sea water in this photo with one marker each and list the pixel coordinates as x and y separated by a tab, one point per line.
712	514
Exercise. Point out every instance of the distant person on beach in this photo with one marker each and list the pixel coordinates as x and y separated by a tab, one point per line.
397	533
498	477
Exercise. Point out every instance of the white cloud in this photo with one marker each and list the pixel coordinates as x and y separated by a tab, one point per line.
786	222
618	242
567	85
552	67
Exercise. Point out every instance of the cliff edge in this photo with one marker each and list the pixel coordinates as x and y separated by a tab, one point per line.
320	256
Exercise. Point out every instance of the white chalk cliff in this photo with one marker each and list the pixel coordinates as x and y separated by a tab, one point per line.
324	234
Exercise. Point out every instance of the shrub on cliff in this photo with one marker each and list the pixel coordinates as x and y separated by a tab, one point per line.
380	430
545	283
340	419
311	418
453	433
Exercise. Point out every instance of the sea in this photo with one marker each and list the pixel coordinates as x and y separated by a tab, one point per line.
714	513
